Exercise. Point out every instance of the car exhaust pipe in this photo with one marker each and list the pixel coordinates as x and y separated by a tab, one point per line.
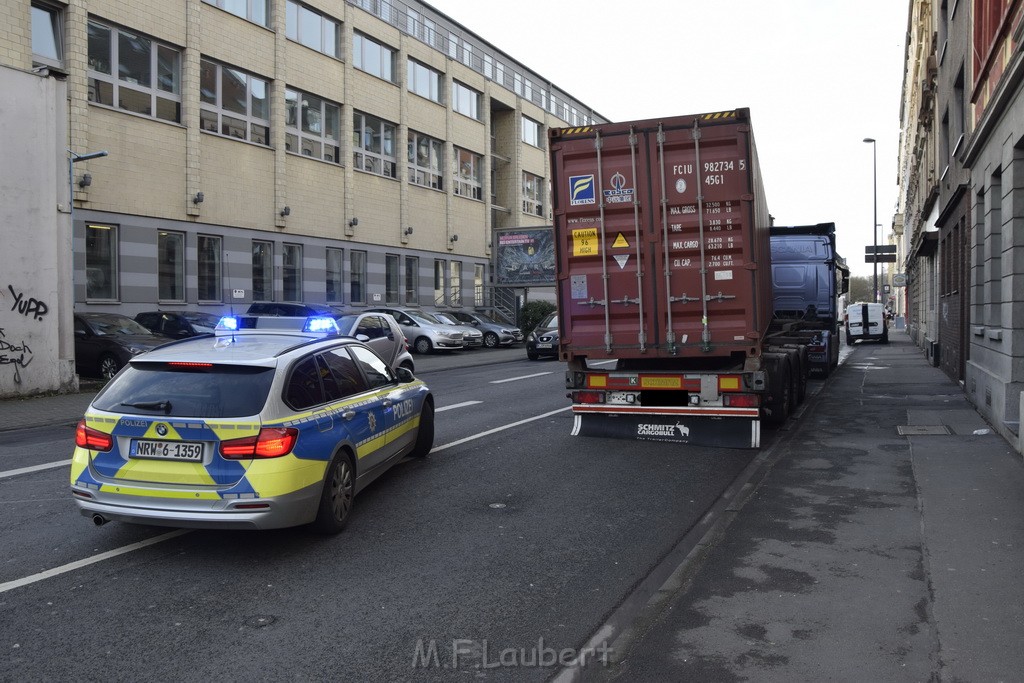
99	520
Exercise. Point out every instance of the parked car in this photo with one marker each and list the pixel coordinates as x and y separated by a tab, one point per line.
289	309
259	428
495	333
381	333
423	331
105	342
178	324
866	321
472	338
543	340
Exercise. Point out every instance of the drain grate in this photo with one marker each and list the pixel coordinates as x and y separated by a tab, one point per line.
922	430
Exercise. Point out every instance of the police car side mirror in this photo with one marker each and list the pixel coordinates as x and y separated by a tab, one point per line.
404	375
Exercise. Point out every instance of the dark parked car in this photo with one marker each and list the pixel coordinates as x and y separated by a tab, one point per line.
290	310
178	324
105	342
543	341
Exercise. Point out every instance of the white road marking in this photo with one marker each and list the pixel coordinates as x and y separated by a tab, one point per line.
499	429
34	468
516	379
456	405
78	564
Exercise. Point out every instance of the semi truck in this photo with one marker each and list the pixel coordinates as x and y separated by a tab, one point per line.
808	280
664	283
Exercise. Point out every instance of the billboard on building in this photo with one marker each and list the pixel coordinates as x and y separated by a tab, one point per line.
525	257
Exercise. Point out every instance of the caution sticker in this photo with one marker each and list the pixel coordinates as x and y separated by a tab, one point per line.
584	242
620	242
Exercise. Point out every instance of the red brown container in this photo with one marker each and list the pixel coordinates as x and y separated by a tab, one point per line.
662	239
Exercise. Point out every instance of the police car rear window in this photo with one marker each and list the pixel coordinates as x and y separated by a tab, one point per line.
188	390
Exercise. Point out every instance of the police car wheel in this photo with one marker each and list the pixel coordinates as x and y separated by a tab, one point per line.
337	496
425	433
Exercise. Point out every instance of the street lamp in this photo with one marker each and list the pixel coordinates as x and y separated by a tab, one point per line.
874	220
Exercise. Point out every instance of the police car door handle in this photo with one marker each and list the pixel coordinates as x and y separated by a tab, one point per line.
348	414
386	402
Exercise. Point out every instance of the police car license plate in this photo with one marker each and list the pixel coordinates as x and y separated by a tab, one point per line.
166	450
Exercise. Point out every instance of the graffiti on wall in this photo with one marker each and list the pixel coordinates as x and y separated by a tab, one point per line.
18	353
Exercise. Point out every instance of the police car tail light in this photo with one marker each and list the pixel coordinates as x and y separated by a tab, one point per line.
87	437
271	442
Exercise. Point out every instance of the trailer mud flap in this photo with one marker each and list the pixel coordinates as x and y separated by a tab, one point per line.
716	432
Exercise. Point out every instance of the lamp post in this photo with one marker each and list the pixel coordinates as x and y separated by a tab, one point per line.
874	220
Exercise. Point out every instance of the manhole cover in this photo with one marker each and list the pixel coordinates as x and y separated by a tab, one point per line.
922	430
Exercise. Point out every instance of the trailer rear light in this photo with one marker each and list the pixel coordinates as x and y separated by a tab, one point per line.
93	439
729	383
742	400
588	397
271	442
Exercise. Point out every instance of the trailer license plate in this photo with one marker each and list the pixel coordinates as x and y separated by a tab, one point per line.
167	450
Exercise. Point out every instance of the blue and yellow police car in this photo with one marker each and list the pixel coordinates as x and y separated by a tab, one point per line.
268	423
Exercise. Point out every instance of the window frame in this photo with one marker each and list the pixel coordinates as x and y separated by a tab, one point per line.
218	109
357	276
299	137
392	277
412	280
471	187
334	282
207	281
470	99
294	29
266	278
170	273
55	15
416	71
531	132
108	265
251	7
432	175
361	155
119	85
533	201
379	66
291	269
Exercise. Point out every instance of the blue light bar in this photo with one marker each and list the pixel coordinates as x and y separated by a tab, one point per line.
228	323
322	324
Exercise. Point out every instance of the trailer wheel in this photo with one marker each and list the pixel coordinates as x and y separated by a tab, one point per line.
804	367
778	402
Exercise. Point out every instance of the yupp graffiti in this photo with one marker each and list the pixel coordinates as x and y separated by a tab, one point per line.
19	354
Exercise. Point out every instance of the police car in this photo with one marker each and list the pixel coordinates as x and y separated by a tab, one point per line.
268	423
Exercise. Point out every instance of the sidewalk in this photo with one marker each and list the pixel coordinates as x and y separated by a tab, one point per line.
885	543
57	409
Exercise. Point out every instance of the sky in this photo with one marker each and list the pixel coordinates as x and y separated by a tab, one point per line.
818	76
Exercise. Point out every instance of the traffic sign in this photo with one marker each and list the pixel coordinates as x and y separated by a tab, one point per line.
880	249
880	258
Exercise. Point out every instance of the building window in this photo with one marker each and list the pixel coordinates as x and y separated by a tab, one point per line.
262	271
374	58
533	194
47	35
531	132
374	145
391	266
468	169
148	73
233	103
209	268
357	283
412	280
426	161
478	285
465	100
253	10
171	266
438	281
424	81
101	262
312	126
313	29
455	283
335	275
291	273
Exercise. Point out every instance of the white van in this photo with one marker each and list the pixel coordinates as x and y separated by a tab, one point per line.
866	320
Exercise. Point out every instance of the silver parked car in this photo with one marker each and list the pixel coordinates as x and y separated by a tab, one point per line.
424	332
381	333
472	337
495	333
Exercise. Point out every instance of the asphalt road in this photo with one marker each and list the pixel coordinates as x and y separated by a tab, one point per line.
512	537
